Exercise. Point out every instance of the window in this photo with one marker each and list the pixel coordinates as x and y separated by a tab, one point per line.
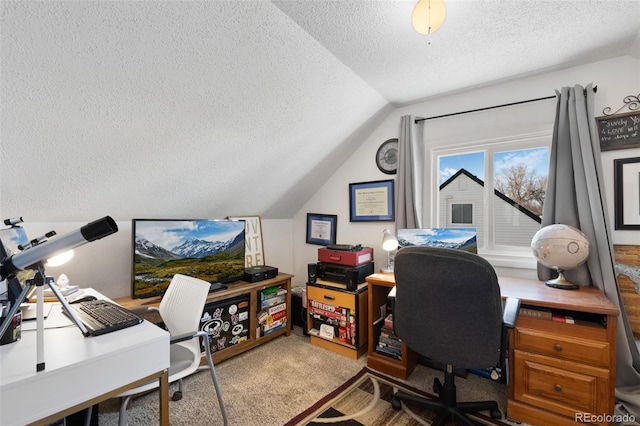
498	188
462	214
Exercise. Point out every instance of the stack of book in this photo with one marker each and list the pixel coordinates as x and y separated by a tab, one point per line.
388	343
273	310
340	319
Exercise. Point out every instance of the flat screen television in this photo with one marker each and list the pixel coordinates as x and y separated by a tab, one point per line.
211	250
454	238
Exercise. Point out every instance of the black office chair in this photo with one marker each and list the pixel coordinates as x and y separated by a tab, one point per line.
448	309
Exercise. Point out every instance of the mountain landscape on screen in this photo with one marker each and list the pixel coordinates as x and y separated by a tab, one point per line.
210	250
453	238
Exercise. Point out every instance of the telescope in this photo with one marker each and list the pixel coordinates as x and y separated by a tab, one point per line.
35	255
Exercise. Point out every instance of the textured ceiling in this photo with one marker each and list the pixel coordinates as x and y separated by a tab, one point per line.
481	41
214	108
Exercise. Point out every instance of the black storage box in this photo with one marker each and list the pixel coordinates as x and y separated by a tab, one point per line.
351	276
259	273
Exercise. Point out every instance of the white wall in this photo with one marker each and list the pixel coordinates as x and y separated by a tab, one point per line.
615	78
106	264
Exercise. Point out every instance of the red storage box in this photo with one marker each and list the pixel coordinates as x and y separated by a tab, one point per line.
346	257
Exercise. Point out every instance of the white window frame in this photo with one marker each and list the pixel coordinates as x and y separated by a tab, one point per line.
497	255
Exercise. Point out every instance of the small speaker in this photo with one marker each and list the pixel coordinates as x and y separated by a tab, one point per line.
312	273
352	280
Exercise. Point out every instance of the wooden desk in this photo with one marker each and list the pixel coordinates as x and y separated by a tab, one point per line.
556	370
79	371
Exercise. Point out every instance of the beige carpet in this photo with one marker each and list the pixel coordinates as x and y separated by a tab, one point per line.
272	384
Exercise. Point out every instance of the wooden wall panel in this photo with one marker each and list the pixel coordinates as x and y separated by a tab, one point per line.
628	270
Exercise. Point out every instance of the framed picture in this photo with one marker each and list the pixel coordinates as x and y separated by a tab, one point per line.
254	247
627	193
371	201
321	229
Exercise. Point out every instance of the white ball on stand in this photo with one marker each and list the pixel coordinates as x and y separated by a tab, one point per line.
560	247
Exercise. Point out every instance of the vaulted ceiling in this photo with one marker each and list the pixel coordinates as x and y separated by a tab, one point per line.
190	109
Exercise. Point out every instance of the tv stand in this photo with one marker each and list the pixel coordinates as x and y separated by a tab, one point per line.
152	301
217	287
241	288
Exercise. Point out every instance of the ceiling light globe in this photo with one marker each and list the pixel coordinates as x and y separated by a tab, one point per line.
428	16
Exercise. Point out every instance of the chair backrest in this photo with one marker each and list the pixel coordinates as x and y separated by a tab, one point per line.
448	306
182	304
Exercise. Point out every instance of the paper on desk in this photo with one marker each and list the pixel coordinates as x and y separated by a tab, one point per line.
65	291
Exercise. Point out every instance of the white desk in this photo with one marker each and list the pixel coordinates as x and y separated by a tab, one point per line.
79	371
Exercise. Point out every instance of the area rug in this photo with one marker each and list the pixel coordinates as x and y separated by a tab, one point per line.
365	399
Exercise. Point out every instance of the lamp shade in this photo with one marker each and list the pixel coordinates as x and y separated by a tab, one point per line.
428	16
60	259
389	241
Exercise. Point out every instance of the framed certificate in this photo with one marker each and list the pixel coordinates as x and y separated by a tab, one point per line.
371	201
321	228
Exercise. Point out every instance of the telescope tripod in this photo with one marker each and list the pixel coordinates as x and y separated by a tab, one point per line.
39	281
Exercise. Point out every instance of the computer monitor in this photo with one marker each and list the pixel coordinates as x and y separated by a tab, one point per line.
211	250
453	238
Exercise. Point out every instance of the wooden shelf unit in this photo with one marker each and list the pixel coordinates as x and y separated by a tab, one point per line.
234	290
335	294
379	287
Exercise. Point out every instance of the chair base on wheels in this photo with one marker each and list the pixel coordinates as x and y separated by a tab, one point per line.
446	406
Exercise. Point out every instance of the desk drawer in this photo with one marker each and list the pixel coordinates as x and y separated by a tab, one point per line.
332	297
562	386
570	346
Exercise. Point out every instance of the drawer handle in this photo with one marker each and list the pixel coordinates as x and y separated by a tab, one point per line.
329	297
558	347
557	388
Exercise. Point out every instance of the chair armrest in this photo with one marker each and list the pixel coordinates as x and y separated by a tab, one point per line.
510	312
187	336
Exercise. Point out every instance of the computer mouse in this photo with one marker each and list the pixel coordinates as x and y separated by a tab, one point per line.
87	298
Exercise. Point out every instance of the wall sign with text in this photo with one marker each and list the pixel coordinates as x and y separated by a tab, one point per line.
619	131
254	248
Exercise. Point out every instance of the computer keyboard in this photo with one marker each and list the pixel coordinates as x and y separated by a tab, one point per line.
103	316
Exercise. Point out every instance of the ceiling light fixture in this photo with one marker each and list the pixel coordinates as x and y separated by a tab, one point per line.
428	16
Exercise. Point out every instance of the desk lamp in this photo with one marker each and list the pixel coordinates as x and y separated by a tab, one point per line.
560	247
389	244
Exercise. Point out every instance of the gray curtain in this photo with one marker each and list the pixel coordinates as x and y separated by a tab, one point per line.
576	197
410	177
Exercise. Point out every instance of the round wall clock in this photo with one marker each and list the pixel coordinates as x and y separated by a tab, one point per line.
387	157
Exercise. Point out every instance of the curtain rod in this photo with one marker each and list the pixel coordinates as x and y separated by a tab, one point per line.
417	120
